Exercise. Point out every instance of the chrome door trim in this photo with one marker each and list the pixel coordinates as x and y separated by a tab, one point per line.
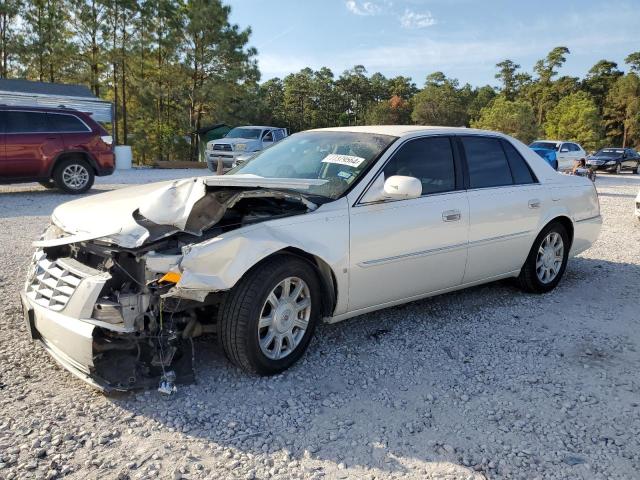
499	238
588	219
423	253
448	248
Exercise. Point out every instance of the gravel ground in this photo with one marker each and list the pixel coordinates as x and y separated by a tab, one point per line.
485	383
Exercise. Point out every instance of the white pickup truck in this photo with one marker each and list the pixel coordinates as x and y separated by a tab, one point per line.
240	144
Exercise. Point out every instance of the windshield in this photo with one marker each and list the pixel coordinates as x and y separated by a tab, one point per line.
610	151
337	157
547	145
242	132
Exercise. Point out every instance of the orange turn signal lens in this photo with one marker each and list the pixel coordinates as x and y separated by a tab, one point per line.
171	277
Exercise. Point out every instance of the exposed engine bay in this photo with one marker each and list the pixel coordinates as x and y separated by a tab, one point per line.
143	325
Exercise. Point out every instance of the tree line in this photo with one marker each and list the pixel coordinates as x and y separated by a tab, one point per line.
171	67
603	108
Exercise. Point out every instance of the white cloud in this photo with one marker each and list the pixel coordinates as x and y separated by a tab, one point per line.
364	8
410	19
468	55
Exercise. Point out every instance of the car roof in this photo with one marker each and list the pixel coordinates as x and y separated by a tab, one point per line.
559	141
403	130
263	127
25	108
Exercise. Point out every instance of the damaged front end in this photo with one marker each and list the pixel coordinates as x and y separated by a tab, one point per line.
112	309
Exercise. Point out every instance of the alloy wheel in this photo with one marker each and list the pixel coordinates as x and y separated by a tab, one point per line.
284	318
75	176
550	257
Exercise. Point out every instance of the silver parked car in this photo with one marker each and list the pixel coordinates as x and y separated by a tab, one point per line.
323	226
240	143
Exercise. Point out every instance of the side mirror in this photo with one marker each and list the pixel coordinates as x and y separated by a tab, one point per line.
399	187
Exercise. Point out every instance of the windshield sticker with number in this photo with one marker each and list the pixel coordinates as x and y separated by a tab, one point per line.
348	160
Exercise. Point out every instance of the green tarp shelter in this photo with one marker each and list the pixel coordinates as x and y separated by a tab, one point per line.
208	133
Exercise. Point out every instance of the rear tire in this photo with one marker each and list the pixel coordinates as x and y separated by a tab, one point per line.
242	317
74	175
545	256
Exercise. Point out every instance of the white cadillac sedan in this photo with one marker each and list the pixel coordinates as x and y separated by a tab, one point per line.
325	225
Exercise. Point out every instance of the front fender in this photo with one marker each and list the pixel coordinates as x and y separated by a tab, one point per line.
218	264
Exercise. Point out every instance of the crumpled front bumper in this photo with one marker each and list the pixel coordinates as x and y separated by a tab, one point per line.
57	297
68	340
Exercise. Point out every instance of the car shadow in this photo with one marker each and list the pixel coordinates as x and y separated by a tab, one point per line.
399	390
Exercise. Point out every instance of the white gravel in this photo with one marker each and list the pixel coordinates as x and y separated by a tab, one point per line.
485	383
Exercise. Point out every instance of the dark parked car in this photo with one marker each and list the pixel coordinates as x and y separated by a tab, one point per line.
56	147
614	160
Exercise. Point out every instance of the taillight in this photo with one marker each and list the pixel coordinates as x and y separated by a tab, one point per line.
108	139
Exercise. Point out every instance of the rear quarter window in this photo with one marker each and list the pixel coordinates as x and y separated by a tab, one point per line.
519	167
66	123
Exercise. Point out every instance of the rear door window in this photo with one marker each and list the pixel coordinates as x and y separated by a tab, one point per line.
519	167
486	162
66	123
26	122
430	160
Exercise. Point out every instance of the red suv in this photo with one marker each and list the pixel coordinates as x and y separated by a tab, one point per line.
56	147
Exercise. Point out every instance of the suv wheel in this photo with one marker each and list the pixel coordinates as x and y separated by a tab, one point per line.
73	175
268	318
547	260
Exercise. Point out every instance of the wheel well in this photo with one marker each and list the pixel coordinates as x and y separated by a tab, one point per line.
325	275
567	224
67	155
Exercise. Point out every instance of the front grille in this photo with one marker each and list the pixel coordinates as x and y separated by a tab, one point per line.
222	146
52	282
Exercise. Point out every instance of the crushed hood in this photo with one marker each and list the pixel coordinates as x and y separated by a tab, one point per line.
131	216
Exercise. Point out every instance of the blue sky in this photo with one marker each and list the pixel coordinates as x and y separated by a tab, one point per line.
462	38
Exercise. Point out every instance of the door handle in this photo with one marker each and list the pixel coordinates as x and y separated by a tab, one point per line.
534	203
451	215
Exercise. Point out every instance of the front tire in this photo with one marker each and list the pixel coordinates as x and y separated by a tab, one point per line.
547	260
74	175
268	318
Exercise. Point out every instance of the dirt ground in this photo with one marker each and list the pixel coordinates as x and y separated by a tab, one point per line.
484	383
